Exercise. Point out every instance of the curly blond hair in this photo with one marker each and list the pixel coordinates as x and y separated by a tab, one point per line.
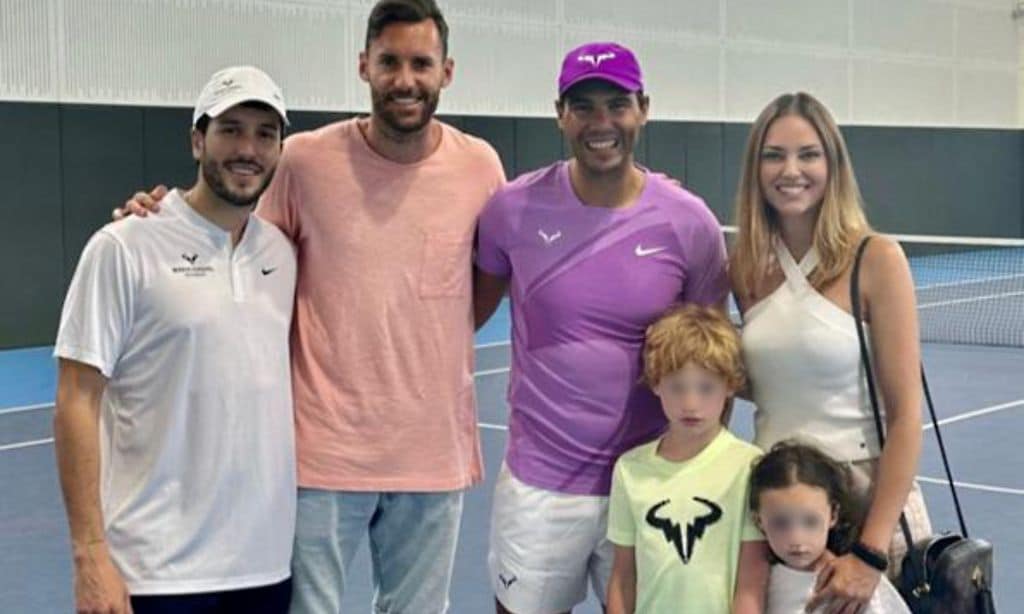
697	334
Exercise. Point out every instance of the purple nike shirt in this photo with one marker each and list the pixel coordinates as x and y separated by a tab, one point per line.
585	282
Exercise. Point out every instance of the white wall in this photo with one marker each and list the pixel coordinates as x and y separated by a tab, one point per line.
894	62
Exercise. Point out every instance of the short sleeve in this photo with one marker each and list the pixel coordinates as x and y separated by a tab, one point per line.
278	205
96	319
707	262
491	254
497	171
621	524
749	532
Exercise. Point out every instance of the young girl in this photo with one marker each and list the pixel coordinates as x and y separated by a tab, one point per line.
684	541
802	500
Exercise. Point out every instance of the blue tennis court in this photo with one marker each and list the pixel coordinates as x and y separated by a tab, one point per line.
978	390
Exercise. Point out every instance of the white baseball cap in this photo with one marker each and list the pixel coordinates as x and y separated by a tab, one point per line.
237	84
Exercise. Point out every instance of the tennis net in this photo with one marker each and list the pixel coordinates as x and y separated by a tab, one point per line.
969	289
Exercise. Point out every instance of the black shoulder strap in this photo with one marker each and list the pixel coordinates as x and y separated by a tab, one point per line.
865	356
873	392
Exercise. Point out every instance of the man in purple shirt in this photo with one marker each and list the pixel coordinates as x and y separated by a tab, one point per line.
592	249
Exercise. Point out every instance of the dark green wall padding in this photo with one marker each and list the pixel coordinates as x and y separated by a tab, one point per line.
64	167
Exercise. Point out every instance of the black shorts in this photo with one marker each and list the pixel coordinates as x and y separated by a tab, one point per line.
273	599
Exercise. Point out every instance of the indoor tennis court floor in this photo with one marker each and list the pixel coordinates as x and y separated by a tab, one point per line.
979	392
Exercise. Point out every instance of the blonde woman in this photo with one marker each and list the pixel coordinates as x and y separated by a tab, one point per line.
800	221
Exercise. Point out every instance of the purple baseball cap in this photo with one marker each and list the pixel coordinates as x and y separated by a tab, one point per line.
608	61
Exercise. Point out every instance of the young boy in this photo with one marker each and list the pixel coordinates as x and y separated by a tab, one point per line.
677	515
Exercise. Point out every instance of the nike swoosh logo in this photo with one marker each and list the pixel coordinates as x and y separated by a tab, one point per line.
268	271
640	251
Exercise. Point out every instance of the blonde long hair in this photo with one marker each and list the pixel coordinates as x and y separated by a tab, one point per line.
840	222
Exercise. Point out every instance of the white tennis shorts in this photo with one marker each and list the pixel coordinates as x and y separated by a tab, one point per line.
545	546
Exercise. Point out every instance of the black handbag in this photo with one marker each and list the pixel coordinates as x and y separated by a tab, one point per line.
941	574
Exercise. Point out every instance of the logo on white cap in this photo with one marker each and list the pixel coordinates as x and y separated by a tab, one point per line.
237	84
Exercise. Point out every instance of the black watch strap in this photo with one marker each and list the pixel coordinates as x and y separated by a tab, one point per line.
870	556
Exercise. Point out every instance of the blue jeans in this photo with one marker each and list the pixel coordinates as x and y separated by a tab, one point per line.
412	547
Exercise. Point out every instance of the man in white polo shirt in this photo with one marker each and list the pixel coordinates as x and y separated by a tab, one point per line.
173	424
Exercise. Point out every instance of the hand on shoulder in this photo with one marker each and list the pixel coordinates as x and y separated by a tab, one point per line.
141	204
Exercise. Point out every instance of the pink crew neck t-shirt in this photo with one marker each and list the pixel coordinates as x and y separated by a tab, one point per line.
382	337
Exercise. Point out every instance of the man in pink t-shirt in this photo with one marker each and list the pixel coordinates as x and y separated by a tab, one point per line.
382	211
593	250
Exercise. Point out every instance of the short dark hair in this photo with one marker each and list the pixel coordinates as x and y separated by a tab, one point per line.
204	121
387	12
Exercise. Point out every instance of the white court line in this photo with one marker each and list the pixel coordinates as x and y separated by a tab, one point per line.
967	416
991	409
972	486
920	478
491	372
17	410
502	427
496	344
968	281
482	346
39	442
973	299
26	444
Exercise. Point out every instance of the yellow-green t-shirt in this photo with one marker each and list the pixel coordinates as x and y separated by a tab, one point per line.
686	522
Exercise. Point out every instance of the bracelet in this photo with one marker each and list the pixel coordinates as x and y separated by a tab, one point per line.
873	558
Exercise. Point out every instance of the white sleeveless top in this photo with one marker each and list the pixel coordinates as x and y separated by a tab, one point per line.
803	361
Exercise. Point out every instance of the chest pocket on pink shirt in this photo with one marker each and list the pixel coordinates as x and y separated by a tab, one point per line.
444	270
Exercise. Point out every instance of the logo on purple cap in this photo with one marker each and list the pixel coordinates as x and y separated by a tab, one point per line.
606	61
596	61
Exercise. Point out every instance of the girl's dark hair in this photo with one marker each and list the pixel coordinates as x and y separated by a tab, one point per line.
789	463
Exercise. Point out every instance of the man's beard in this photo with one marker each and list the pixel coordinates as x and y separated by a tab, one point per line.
212	173
394	121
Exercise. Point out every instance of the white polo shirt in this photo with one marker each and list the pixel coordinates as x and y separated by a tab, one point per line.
197	444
